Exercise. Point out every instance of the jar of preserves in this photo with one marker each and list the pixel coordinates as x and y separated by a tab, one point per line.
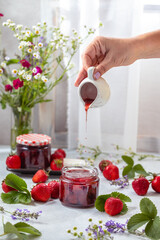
79	186
34	150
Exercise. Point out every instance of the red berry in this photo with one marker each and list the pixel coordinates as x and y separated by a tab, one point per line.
103	164
41	192
156	184
60	150
13	161
113	206
111	172
40	176
56	165
7	188
57	155
54	189
140	186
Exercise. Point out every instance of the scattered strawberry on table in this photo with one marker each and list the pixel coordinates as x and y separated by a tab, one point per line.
156	184
41	192
113	206
41	176
54	189
13	161
7	188
111	172
57	160
103	164
140	186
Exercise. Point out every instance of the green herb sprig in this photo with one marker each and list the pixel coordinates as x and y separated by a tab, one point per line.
22	195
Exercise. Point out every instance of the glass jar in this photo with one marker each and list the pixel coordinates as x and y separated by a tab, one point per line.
79	186
34	150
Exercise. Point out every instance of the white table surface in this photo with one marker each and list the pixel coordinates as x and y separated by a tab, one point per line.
56	219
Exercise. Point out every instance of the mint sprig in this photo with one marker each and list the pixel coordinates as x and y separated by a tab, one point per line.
100	201
131	169
21	230
22	195
147	216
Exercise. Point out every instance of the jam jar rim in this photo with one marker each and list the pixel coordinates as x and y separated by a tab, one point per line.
68	175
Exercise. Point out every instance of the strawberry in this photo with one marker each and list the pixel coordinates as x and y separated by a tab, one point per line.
140	186
56	165
40	176
113	206
57	155
60	150
41	192
7	188
111	172
13	161
54	189
103	164
156	184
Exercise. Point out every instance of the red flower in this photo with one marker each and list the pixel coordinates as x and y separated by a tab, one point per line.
1	15
17	83
8	88
38	70
25	63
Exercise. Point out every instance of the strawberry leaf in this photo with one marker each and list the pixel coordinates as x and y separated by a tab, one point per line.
152	229
124	209
128	170
121	196
16	182
148	208
13	197
9	228
128	160
100	202
139	169
24	227
136	221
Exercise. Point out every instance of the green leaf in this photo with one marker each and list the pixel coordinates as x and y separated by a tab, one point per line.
16	182
128	160
128	170
136	221
9	228
148	208
13	197
139	169
124	209
121	196
152	229
24	227
100	202
12	61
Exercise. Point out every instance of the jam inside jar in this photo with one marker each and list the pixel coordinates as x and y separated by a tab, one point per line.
79	186
34	151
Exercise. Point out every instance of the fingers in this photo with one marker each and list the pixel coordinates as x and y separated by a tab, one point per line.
82	75
103	67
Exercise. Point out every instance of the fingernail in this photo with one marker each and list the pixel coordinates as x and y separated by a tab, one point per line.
97	75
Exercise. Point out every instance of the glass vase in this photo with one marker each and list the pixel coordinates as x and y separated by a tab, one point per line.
21	124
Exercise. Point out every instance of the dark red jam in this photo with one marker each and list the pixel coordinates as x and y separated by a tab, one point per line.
34	157
79	186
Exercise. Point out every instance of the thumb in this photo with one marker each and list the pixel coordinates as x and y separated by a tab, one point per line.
102	68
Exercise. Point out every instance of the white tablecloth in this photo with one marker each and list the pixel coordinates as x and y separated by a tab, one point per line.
56	219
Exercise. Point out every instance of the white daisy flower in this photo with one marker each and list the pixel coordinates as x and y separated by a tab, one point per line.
28	33
40	45
29	50
37	76
39	24
35	48
23	32
19	38
21	72
9	21
34	27
5	24
36	55
34	70
37	32
7	58
1	70
20	47
24	76
19	26
29	44
16	35
3	64
14	71
28	77
44	79
12	25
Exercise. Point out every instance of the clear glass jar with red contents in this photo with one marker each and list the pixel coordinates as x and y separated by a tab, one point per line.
34	150
79	186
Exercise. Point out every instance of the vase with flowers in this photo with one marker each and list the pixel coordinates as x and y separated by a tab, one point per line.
30	76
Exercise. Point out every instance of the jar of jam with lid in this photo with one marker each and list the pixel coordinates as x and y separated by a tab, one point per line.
79	186
34	150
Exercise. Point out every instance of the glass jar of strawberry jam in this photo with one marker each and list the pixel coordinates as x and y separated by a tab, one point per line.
79	186
34	150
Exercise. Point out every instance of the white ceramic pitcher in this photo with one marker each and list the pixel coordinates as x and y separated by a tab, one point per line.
96	90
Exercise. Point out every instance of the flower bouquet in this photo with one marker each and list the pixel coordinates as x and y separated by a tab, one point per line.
27	79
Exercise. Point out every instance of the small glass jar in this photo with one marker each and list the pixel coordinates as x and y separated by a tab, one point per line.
79	186
34	150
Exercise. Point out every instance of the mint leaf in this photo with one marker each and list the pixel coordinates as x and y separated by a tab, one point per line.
128	170
128	160
137	221
100	202
121	196
152	229
148	208
24	227
13	197
12	61
124	209
139	169
9	228
16	182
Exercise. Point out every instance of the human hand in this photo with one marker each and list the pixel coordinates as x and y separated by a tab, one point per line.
104	53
